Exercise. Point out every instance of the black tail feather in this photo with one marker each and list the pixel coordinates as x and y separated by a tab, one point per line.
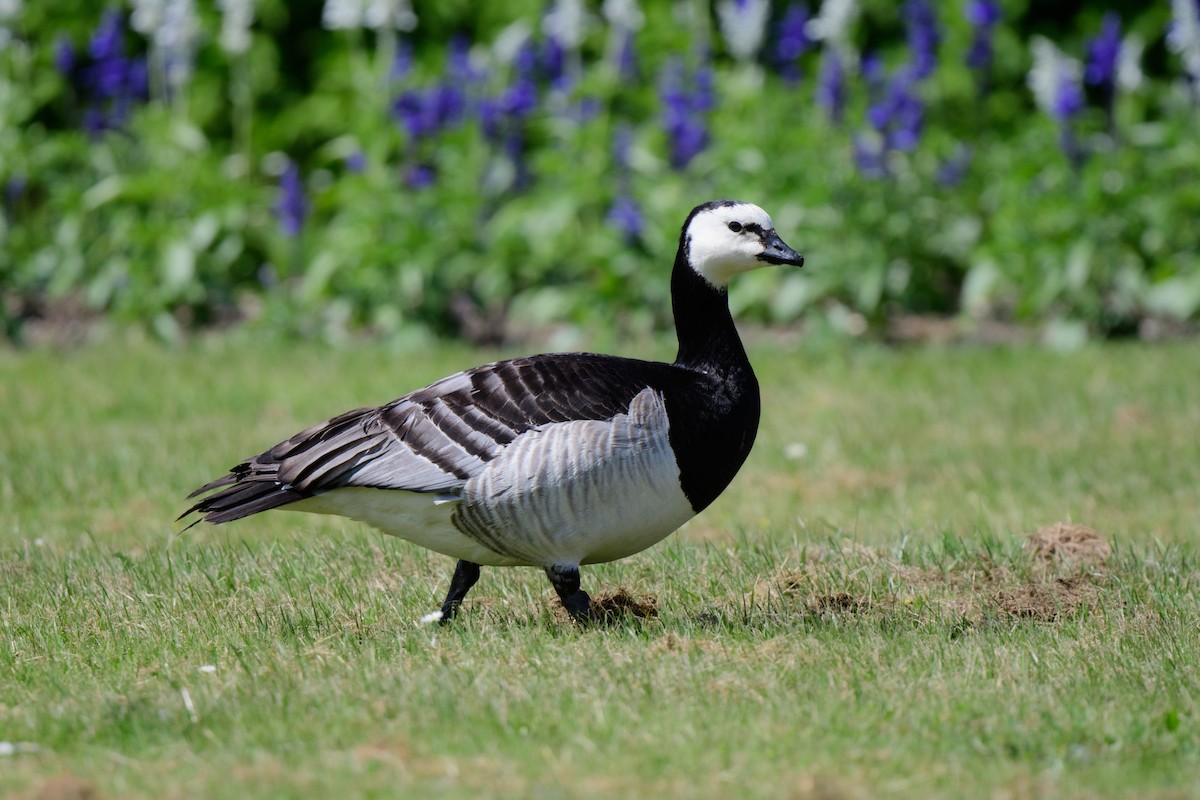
241	499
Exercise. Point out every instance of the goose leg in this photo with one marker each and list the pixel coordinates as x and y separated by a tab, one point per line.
574	599
465	575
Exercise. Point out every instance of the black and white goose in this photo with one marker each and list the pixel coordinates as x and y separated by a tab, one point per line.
552	460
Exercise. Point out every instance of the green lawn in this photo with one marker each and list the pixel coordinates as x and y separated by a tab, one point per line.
858	616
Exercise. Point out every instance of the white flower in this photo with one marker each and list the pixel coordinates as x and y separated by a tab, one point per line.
398	14
1129	63
236	18
9	9
207	668
743	25
170	25
147	16
431	617
509	41
175	36
566	22
342	14
623	14
1183	38
1051	69
834	23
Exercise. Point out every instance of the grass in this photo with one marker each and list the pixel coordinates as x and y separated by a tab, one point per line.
859	616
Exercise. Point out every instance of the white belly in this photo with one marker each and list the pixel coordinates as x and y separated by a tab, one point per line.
419	517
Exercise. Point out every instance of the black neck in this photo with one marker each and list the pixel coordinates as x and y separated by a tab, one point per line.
703	324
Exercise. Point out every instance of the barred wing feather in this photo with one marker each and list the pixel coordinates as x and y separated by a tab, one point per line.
434	439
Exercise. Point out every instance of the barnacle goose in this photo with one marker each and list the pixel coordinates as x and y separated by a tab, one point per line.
551	460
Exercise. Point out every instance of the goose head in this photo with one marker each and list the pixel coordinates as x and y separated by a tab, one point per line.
725	237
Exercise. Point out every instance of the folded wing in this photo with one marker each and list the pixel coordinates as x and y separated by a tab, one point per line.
434	439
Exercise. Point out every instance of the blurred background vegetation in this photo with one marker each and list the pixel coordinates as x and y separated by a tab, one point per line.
492	170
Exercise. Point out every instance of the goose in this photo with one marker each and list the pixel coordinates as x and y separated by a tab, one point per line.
553	461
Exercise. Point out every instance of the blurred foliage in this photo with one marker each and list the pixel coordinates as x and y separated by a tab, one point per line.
170	217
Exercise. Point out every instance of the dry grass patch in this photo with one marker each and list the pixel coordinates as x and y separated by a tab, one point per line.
1060	578
1070	544
1046	602
66	787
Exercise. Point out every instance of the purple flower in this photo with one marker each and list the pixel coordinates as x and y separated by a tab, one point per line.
585	109
291	205
684	110
954	169
554	63
705	96
627	64
871	68
420	176
898	115
64	55
983	15
403	61
14	189
503	118
1068	99
108	41
107	82
923	36
356	161
425	112
868	156
449	103
107	77
1056	81
520	99
137	79
491	118
514	148
831	85
458	61
625	216
525	61
622	143
1102	53
412	111
93	120
793	42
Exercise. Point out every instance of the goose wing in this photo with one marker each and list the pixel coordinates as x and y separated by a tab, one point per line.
434	439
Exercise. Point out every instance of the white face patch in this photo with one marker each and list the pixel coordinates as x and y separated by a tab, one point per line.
718	251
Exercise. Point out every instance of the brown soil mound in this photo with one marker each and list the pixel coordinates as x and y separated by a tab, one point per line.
863	581
1046	602
66	787
611	607
1064	542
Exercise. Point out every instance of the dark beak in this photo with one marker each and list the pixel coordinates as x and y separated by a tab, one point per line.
777	251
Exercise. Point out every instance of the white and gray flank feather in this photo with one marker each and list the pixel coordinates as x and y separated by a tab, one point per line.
553	460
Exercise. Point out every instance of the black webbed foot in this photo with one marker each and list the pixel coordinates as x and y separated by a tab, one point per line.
465	576
575	600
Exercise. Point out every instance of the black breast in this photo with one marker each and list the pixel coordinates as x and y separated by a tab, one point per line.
713	423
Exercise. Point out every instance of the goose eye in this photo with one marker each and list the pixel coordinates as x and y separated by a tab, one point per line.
736	227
